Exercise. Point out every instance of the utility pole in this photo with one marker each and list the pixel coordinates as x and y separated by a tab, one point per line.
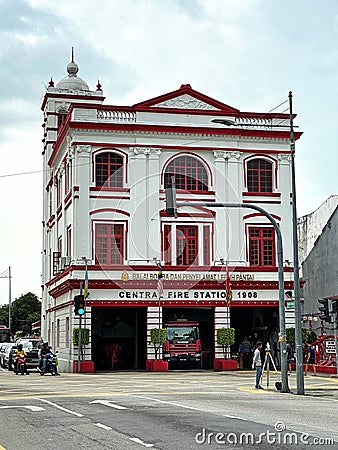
296	283
9	300
9	276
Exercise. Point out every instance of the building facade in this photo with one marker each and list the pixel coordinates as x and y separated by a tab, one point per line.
105	173
320	269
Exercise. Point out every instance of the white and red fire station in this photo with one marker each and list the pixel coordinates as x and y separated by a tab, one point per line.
106	168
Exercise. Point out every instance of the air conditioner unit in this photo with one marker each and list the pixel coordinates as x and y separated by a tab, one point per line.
62	263
68	260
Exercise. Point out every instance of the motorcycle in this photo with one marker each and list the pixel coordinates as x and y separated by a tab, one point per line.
20	366
51	364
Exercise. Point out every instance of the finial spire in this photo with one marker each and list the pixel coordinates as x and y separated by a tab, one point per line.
72	54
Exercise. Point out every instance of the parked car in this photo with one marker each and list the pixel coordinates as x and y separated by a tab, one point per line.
31	347
3	347
7	359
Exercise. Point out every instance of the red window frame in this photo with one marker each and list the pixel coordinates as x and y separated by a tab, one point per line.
206	245
186	245
69	241
189	174
68	175
262	248
109	170
167	244
109	244
58	191
60	245
259	175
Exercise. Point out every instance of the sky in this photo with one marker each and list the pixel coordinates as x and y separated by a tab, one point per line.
248	54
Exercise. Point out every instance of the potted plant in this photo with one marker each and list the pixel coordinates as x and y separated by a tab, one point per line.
85	365
157	338
225	338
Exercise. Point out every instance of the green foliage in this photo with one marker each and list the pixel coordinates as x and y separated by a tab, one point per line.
307	336
225	338
18	334
312	337
84	336
158	337
290	335
4	315
25	310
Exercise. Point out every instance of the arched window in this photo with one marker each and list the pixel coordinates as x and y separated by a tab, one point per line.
188	172
259	175
109	170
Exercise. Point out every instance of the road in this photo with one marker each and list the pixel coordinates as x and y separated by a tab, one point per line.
169	411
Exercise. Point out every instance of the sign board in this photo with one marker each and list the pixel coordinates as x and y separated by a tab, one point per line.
330	347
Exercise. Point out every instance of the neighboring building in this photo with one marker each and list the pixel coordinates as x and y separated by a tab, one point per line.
311	225
105	171
320	271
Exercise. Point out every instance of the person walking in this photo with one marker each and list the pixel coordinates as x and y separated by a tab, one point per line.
246	348
310	359
289	357
257	364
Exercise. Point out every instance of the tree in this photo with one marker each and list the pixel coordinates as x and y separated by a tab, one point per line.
158	337
25	311
290	335
225	338
4	315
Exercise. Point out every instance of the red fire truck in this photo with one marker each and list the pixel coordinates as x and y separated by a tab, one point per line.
183	345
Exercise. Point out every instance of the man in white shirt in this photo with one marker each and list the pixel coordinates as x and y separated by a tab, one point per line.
257	363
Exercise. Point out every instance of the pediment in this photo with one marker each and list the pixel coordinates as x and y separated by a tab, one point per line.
185	98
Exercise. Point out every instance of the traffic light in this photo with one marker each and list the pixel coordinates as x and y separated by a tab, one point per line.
335	306
324	309
170	199
79	305
335	311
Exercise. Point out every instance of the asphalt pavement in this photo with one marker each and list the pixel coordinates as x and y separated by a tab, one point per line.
169	411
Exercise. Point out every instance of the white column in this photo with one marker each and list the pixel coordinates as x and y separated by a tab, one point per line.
82	232
153	203
235	232
289	317
220	182
138	214
154	319
222	320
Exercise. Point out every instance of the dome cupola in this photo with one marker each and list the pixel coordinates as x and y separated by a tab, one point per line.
72	82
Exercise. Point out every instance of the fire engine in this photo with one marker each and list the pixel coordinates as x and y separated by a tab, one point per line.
183	345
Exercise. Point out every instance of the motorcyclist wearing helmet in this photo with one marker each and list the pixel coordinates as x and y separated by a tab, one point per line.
19	352
43	350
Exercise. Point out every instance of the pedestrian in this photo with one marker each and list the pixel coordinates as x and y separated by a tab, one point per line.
246	346
240	356
257	364
289	357
310	359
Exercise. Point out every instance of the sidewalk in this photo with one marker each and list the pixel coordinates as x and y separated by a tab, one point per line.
322	385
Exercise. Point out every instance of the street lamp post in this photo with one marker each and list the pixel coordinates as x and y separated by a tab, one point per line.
298	329
296	283
9	276
171	209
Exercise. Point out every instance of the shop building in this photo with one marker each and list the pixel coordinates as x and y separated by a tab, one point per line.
106	168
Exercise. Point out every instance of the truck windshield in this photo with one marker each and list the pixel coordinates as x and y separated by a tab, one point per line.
177	335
